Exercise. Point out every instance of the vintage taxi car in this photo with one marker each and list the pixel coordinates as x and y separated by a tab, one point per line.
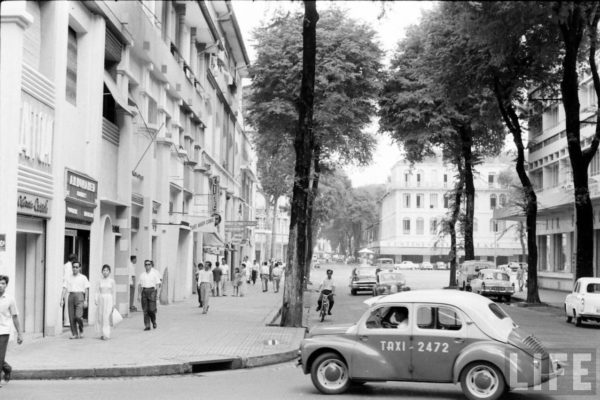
389	281
583	304
493	282
428	336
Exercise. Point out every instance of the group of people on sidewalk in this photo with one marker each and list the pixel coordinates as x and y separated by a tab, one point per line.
271	272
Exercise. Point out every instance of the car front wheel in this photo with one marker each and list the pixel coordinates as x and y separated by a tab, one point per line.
482	381
329	374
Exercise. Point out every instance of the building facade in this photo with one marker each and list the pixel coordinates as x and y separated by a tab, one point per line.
268	234
121	135
416	202
549	169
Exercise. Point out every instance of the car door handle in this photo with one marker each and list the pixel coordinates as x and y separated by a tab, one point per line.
363	338
459	340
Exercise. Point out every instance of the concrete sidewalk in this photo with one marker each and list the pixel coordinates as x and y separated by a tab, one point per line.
234	334
553	298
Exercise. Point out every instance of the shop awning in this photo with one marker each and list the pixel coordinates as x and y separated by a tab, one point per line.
212	239
114	92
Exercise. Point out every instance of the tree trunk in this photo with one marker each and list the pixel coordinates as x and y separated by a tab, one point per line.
356	228
466	134
274	229
452	225
522	235
572	29
511	120
314	191
291	310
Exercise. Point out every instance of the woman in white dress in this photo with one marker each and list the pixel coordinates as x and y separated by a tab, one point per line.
106	294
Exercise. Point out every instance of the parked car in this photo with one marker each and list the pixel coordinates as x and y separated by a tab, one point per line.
426	265
469	270
389	281
583	304
363	278
441	265
493	282
384	262
443	336
406	265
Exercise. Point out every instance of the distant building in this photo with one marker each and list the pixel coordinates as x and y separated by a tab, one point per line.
415	203
263	234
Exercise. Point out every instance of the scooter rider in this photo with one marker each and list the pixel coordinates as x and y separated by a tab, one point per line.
327	288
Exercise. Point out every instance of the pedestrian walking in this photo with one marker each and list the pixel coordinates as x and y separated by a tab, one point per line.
264	276
148	286
245	278
255	269
199	268
237	282
67	271
105	300
78	288
276	276
8	315
205	283
131	271
217	277
225	275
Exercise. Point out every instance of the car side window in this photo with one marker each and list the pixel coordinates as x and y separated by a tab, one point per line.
438	317
388	318
593	288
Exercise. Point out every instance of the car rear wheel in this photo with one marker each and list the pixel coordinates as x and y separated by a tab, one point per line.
577	319
353	292
569	318
482	381
329	374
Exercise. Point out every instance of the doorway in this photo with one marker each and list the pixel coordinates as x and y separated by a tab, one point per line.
77	241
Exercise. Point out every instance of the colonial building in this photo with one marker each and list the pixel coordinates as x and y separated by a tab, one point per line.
550	172
121	135
416	201
269	234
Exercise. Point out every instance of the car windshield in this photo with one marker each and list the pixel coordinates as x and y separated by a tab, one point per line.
390	277
365	272
499	276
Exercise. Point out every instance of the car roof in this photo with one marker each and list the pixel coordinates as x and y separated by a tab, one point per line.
492	270
589	280
474	305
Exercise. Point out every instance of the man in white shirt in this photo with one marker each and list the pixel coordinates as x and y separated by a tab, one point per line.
205	283
8	315
225	275
78	287
67	271
131	271
148	285
327	288
276	276
264	276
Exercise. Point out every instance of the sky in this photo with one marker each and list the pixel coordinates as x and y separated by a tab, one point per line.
397	17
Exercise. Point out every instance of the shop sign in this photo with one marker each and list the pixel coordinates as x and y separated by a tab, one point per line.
240	223
195	226
81	187
79	211
33	205
214	187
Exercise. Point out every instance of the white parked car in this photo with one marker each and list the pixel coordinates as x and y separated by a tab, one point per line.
493	282
583	304
406	265
426	265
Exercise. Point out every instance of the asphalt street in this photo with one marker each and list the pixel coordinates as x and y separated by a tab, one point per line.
286	381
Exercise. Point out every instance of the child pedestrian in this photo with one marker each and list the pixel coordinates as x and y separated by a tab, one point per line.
237	282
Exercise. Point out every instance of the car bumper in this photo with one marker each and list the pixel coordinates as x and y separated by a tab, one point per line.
496	292
557	370
362	286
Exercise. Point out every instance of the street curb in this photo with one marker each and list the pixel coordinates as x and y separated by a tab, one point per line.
156	370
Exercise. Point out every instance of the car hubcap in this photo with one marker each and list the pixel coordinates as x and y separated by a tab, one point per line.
482	381
332	374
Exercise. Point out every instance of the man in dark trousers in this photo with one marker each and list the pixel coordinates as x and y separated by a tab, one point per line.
149	283
217	276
